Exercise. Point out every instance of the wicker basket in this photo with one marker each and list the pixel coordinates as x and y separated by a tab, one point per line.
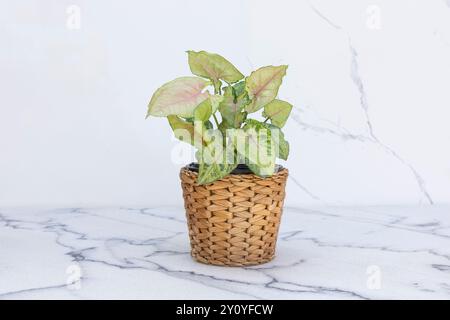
234	221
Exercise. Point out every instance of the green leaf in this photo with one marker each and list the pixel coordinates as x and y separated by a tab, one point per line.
278	111
178	97
207	107
261	154
254	143
214	67
209	173
252	123
281	146
215	161
215	102
262	86
203	111
239	88
231	108
184	130
208	125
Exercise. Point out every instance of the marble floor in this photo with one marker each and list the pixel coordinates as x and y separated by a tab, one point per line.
378	252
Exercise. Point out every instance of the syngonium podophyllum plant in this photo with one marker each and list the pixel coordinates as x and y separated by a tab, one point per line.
236	138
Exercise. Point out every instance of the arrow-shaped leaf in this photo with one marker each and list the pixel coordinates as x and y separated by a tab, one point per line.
178	97
262	86
278	111
184	131
203	111
214	67
281	145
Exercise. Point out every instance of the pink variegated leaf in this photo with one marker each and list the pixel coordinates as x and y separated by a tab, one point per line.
262	86
178	97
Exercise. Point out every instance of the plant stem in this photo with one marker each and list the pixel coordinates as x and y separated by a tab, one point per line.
218	90
267	119
215	120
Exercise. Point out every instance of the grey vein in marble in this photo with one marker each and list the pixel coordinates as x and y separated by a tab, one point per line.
322	253
372	137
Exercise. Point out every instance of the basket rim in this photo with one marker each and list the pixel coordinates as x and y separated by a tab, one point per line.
241	169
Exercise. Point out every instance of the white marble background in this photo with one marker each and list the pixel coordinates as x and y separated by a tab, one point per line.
370	81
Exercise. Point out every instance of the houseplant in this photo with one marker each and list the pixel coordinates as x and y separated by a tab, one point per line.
234	194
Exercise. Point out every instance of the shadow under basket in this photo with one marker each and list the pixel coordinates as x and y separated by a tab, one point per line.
233	221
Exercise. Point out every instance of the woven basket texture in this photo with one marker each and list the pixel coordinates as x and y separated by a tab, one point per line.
234	221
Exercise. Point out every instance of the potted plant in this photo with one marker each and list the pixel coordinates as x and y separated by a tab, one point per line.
234	194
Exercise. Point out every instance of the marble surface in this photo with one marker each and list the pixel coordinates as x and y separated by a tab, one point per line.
143	253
